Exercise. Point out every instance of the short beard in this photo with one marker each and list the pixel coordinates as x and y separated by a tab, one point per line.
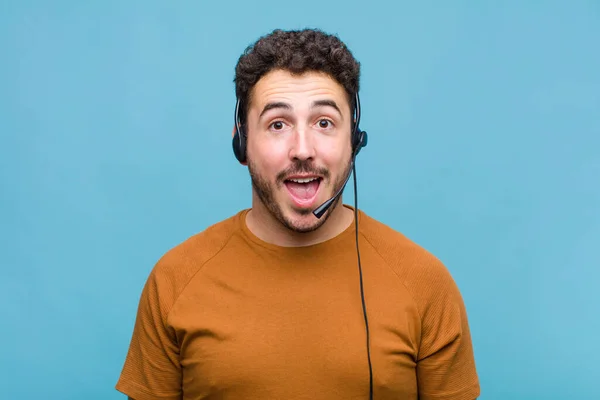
266	193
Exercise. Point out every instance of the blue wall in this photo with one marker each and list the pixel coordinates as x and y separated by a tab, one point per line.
115	128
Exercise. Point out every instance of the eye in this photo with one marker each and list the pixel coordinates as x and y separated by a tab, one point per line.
277	125
325	123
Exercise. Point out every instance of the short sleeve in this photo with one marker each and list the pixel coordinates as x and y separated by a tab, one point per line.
445	366
152	370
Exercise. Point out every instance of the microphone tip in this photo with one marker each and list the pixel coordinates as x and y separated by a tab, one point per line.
319	211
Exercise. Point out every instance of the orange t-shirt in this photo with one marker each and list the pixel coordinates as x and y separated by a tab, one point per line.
227	316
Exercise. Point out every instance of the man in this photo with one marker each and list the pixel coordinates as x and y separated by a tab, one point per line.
268	304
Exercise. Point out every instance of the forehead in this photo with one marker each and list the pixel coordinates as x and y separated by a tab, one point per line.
297	89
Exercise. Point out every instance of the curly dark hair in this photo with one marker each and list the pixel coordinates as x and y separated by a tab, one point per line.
296	51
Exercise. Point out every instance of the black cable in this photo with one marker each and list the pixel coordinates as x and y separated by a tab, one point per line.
362	293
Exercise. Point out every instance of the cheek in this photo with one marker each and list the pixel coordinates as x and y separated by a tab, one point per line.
336	157
271	158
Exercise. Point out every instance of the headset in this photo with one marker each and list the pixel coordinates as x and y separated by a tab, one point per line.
359	139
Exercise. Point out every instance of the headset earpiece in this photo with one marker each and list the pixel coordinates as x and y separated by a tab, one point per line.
239	146
360	140
239	138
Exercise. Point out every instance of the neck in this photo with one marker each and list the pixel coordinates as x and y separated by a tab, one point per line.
267	228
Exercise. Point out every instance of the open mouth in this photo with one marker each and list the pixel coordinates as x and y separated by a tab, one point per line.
303	191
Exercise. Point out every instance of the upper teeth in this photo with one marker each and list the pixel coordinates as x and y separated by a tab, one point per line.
305	180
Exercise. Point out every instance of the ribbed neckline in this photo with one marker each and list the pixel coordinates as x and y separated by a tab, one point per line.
312	249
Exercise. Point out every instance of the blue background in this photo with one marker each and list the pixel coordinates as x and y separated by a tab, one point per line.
115	128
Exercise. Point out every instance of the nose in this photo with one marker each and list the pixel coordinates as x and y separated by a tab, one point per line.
302	146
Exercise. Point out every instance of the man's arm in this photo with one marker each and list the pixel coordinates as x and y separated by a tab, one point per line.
446	363
152	368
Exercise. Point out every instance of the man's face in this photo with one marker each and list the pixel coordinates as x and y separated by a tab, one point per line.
298	147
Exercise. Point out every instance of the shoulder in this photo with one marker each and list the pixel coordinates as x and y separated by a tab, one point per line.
152	363
422	273
178	265
397	249
446	364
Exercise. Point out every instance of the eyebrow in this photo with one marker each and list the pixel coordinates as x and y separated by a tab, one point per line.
272	106
327	103
286	106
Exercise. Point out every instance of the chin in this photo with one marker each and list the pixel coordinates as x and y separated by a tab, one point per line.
302	223
300	218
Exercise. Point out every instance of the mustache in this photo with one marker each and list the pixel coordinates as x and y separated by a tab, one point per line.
302	167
